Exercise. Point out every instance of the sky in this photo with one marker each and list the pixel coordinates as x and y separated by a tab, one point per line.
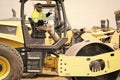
80	13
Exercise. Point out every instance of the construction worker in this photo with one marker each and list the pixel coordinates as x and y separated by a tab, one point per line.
38	16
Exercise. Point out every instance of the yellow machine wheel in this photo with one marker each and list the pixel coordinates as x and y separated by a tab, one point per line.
11	65
90	49
4	67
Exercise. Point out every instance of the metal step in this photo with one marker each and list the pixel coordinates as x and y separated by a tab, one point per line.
33	71
34	62
33	58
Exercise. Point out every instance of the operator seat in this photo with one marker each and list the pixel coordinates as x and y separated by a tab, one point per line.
38	34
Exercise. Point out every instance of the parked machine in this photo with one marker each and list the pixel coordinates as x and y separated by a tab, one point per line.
85	60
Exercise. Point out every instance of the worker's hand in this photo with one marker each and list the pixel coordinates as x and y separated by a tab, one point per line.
40	22
48	14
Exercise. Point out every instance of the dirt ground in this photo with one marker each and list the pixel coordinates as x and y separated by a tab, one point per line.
50	78
45	78
47	75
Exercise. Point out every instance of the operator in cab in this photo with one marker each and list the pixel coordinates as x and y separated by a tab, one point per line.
38	16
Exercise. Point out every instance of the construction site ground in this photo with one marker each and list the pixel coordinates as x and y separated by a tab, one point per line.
48	75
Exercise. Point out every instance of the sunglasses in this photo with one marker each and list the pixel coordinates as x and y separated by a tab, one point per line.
39	7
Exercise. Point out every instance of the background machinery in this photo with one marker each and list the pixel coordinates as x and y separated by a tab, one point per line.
84	59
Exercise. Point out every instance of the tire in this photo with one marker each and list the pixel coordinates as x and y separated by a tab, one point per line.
11	65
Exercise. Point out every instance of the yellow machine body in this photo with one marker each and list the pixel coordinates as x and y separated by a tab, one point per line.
13	40
97	58
80	65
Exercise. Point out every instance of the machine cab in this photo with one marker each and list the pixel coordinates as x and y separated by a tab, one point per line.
55	20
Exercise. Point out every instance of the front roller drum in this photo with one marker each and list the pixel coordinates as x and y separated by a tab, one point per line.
88	48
